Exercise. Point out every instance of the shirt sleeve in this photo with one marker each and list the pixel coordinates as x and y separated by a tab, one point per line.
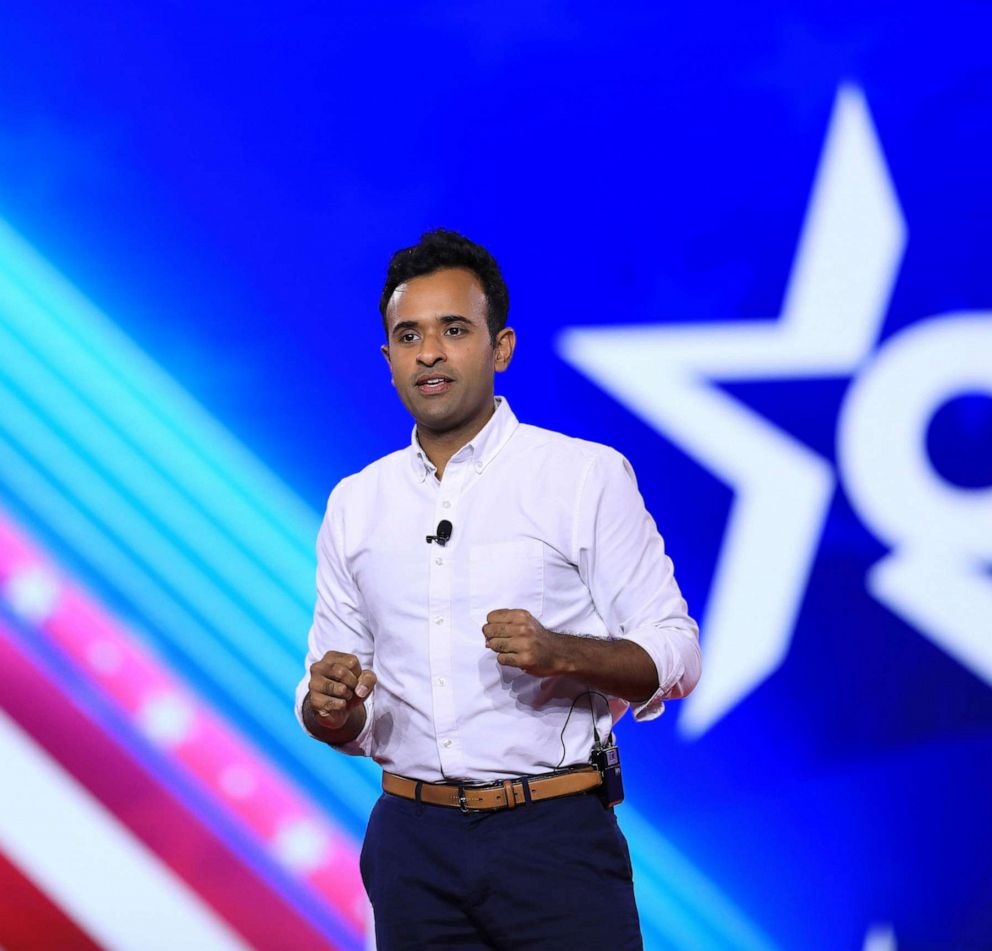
621	558
338	623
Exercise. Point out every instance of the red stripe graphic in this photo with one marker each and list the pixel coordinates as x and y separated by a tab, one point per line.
186	729
30	921
171	830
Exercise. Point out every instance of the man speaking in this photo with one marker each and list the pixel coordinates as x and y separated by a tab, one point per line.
490	599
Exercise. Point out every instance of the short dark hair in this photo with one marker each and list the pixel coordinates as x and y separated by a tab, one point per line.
440	249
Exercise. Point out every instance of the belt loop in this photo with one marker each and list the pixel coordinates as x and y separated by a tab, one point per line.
511	799
416	797
526	784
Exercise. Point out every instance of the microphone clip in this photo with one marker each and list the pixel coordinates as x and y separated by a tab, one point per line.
442	533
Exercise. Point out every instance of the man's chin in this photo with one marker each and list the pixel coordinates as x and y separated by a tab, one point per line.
437	417
441	416
441	413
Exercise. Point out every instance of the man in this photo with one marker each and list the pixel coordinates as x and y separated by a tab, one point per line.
489	601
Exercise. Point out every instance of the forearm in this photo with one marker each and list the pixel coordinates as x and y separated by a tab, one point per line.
343	734
617	667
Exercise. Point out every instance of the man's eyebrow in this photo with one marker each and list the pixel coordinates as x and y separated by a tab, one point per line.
404	325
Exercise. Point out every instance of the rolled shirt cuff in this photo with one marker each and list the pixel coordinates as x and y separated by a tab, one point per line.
676	656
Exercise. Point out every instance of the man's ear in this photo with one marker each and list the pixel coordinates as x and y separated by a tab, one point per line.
384	350
506	341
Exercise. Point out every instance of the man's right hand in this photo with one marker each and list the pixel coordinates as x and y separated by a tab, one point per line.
338	686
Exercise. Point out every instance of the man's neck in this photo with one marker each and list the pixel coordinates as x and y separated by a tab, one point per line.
441	446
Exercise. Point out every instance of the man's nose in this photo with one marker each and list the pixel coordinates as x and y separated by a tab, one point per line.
431	351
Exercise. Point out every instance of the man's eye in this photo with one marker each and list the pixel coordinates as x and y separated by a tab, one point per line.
406	338
456	330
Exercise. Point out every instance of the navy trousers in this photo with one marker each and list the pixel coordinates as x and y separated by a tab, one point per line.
551	874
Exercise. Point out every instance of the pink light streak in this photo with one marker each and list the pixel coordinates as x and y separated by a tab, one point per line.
162	707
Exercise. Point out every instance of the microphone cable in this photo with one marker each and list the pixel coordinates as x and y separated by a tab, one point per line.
590	694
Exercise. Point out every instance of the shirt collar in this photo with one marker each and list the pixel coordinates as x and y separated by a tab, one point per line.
482	448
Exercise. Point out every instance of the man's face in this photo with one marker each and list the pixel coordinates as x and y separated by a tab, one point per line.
439	350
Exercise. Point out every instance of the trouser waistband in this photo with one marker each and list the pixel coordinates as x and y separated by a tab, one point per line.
507	794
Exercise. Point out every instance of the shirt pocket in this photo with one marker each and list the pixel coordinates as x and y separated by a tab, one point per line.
505	575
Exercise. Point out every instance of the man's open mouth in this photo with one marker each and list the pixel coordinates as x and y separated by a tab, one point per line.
433	384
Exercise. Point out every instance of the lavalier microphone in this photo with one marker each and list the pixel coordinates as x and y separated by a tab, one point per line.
443	533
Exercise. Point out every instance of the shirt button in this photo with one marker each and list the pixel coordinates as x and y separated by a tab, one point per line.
479	467
441	681
439	620
446	505
447	744
438	561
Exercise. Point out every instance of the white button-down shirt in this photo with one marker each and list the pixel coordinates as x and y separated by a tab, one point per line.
541	521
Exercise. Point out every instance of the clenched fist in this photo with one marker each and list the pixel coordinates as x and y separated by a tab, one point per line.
338	686
520	640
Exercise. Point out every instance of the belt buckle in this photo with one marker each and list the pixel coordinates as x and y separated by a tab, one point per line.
462	801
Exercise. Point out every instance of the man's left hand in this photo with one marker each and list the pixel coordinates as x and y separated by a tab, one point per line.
520	640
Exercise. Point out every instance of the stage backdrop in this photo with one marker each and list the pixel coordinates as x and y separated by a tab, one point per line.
747	245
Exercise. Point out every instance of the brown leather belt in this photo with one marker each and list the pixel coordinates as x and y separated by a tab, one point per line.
507	794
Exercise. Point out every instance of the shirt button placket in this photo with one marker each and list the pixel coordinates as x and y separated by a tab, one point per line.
440	637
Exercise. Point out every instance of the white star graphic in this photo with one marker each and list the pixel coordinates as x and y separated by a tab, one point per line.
847	259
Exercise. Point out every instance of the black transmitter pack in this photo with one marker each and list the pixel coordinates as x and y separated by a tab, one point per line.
606	758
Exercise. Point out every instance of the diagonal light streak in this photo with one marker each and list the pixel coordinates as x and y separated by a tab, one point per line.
267	715
687	909
146	406
160	485
131	526
109	453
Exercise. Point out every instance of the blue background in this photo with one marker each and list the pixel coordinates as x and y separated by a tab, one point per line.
227	183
